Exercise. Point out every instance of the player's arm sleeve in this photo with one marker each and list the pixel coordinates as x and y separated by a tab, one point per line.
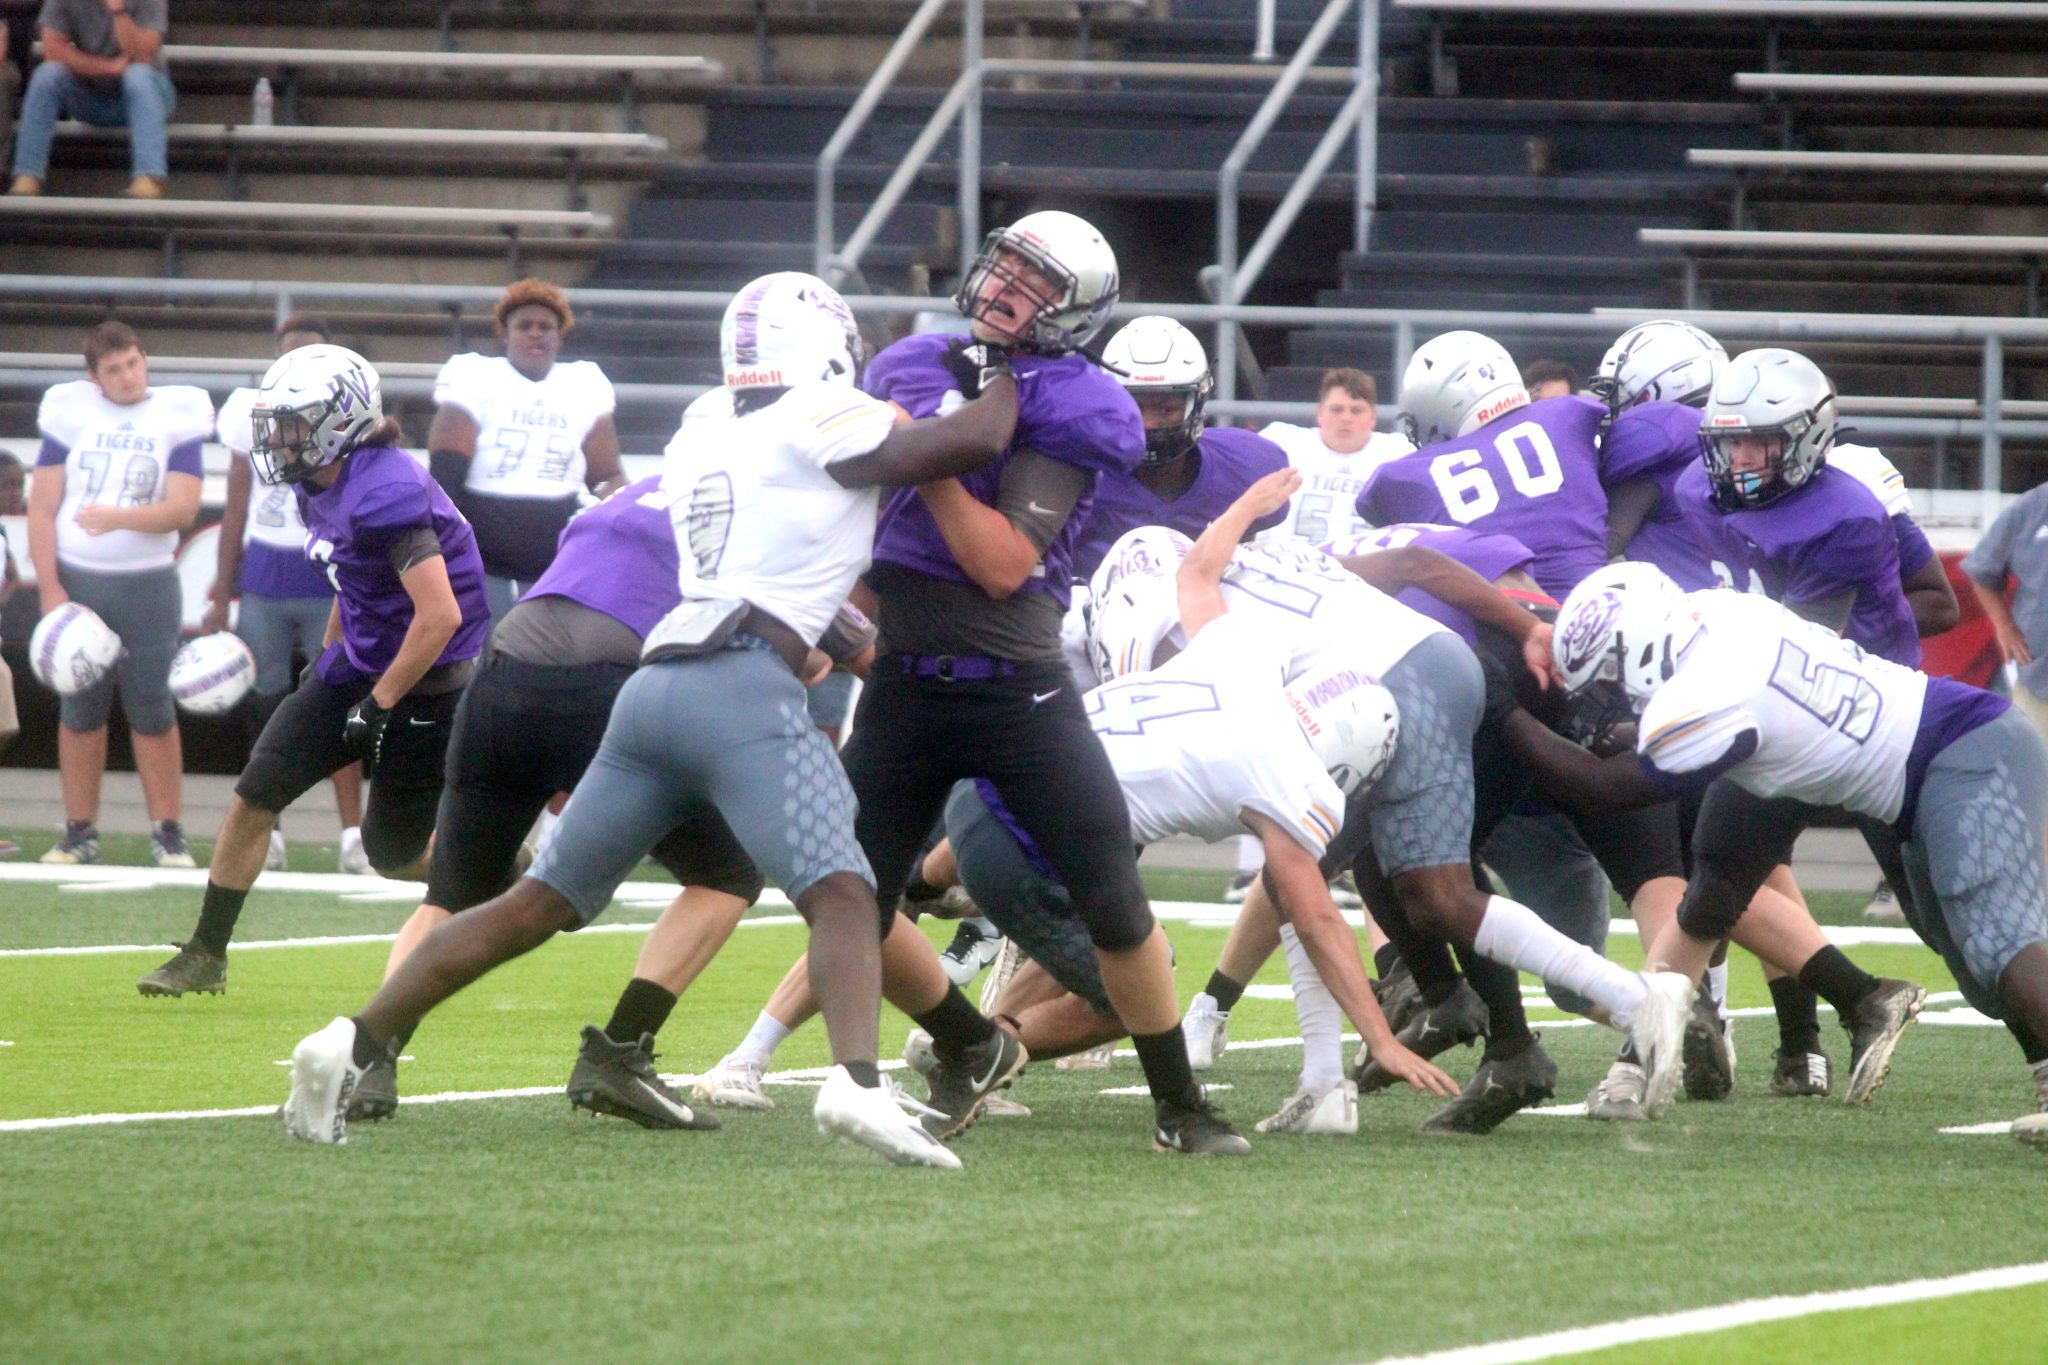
849	632
602	397
1681	754
52	451
1039	493
412	546
842	422
389	509
454	386
187	457
1914	549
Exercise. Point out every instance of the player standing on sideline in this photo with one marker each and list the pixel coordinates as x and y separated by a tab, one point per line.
772	514
402	639
970	681
117	479
517	438
285	598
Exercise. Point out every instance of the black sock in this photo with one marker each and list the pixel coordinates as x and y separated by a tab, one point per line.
916	888
1798	1017
865	1074
1834	978
1501	1049
642	1009
955	1025
1164	1056
1385	958
1225	992
217	916
367	1048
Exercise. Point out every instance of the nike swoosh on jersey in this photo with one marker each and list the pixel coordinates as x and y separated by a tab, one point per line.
1035	510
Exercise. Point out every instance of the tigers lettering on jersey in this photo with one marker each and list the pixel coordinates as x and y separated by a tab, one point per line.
530	433
121	455
1325	506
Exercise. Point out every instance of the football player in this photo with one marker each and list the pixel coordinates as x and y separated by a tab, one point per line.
772	514
407	624
1335	456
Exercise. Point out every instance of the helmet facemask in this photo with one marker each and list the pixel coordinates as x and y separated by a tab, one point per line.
1064	315
1792	456
1172	439
286	444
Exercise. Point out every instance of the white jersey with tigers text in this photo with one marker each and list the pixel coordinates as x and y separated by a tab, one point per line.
1869	467
1834	726
1207	736
758	516
1326	505
530	433
273	510
120	455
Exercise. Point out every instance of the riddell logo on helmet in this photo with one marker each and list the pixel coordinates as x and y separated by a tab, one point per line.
1306	715
754	379
1727	419
1512	401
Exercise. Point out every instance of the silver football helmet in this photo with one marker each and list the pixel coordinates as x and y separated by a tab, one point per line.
1157	356
1072	256
1455	384
788	328
1777	398
1660	361
315	405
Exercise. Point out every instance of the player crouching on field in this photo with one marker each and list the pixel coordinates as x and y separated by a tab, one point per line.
409	619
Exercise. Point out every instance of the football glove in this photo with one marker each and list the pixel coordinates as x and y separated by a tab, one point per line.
975	365
363	731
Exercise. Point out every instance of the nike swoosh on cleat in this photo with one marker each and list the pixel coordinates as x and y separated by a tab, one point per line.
417	721
679	1111
993	1068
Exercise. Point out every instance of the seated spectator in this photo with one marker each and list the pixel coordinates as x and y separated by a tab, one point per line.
103	63
1549	378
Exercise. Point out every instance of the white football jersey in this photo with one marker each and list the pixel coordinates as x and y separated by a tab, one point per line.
1207	736
530	436
273	509
1834	725
756	514
1326	505
120	454
1869	467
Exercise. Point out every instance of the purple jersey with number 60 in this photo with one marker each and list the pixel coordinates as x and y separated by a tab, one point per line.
1659	441
1830	537
1068	410
1533	474
350	528
1230	460
1483	553
619	558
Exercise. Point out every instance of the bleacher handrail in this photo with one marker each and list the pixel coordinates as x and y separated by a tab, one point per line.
2023	10
1908	163
1846	83
1853	243
625	64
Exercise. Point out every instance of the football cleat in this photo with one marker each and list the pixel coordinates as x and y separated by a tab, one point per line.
876	1118
1619	1096
2031	1130
1658	1035
1196	1130
1207	1030
274	861
735	1083
1003	1107
76	848
167	847
1707	1056
1800	1074
194	969
1499	1089
353	860
1400	998
1344	891
1874	1028
1332	1111
917	1053
376	1094
324	1076
959	1087
1240	887
1460	1019
619	1079
972	949
1094	1059
1884	906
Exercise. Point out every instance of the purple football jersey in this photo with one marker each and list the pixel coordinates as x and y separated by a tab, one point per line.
1660	441
619	558
1068	410
1231	460
1485	554
271	571
382	493
1533	474
1829	537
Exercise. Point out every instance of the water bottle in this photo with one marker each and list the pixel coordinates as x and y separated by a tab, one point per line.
263	105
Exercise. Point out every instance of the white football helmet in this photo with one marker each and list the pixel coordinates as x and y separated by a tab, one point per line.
1662	360
1156	355
1781	397
72	648
1350	721
1070	253
1134	605
1620	636
1455	384
316	404
785	329
210	674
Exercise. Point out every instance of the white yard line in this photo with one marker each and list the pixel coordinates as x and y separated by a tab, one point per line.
1748	1312
342	940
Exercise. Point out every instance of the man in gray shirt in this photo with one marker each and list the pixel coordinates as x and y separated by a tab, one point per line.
2017	546
103	63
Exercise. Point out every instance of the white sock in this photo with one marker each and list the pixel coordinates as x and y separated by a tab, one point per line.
761	1041
352	834
2040	1071
544	830
1717	985
1251	853
1511	933
1322	1023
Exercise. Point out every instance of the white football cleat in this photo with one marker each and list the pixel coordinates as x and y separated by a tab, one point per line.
2031	1130
1334	1111
1094	1059
918	1054
1658	1032
1003	1107
354	861
1207	1030
274	860
1619	1096
877	1119
324	1075
734	1083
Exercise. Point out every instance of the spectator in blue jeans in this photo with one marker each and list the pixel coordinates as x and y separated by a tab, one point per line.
102	62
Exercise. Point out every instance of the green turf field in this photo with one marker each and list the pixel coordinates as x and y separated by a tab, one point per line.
516	1228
